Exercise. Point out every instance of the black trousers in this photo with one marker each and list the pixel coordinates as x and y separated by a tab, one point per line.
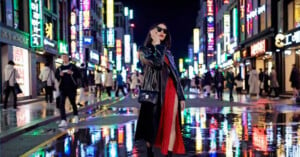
108	90
123	91
71	94
7	92
220	93
49	94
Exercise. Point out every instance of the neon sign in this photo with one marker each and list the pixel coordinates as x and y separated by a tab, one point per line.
258	48
127	48
86	13
36	23
49	30
210	26
73	33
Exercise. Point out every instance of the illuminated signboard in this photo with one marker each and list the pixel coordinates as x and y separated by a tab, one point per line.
242	20
226	1
196	33
110	13
237	56
21	60
88	40
210	26
80	27
86	13
73	34
62	47
36	23
135	54
257	11
94	57
110	37
226	32
127	49
200	58
180	64
119	54
288	39
258	48
49	30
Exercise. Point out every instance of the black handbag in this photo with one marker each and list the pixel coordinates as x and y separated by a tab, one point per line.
17	88
149	93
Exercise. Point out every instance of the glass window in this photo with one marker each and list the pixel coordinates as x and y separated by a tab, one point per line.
269	13
16	14
262	16
2	9
47	4
297	13
290	15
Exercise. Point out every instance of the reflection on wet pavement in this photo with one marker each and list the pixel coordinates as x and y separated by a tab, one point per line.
263	130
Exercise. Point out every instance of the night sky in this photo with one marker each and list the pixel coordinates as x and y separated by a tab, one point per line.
179	16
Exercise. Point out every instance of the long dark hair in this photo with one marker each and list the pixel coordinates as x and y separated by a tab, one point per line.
166	41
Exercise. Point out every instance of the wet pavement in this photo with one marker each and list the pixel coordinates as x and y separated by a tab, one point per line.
210	128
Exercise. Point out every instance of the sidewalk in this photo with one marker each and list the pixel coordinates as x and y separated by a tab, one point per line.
35	113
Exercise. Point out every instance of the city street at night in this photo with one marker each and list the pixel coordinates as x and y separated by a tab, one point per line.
210	128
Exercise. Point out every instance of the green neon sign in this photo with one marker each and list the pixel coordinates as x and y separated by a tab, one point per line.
36	24
62	47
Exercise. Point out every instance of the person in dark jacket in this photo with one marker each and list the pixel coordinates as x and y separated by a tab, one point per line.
159	124
261	81
83	83
219	83
230	83
67	74
266	81
294	79
207	80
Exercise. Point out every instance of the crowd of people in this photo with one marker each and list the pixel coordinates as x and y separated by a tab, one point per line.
254	83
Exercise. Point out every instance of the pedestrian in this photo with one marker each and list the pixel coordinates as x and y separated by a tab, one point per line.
83	84
253	83
219	82
207	82
230	83
159	124
261	81
108	82
274	85
247	87
67	74
11	75
239	86
48	79
91	82
99	83
266	81
120	84
294	79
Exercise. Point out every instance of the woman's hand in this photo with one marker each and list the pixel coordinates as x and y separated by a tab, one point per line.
155	37
182	105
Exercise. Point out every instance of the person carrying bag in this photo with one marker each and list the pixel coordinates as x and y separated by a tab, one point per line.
11	84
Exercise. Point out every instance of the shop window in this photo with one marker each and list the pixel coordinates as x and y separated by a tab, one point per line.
290	15
269	13
47	4
297	13
262	17
16	14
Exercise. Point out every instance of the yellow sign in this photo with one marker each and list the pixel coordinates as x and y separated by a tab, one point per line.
48	30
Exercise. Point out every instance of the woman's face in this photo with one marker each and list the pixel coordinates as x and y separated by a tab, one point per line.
161	31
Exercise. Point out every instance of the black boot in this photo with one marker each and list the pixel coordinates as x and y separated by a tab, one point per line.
150	152
169	154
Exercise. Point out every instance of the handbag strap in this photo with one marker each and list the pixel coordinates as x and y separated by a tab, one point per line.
11	74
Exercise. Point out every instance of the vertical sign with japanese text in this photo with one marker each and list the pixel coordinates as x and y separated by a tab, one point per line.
36	23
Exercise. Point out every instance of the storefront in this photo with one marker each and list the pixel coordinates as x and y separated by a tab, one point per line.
289	46
261	56
15	46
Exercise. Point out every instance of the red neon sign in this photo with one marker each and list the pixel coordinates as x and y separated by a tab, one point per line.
258	48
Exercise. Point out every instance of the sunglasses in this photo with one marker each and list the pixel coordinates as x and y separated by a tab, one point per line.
159	29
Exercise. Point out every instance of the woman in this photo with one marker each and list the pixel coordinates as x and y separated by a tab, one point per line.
108	82
159	124
253	82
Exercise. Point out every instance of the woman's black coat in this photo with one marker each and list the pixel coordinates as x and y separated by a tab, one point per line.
152	58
